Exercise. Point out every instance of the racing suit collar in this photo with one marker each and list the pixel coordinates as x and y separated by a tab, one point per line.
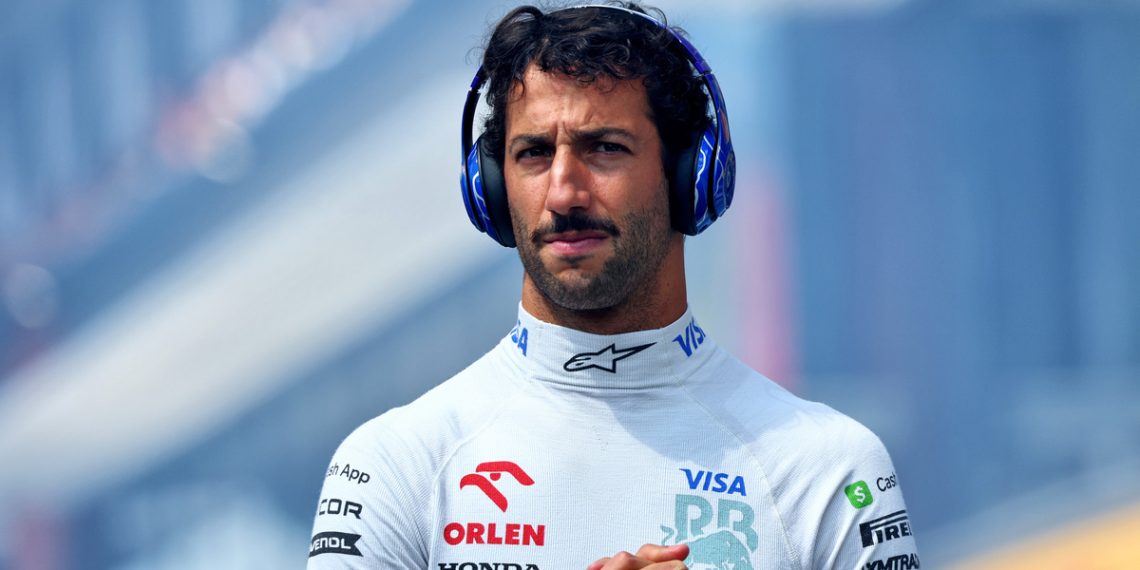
640	359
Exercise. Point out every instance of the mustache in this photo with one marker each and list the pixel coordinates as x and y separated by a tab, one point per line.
576	221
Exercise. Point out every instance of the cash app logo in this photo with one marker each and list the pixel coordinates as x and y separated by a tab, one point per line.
859	494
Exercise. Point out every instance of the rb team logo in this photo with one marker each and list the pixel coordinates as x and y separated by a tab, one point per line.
721	532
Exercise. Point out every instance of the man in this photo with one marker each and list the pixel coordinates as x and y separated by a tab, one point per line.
606	418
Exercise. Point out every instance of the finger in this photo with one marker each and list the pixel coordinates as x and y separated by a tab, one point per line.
669	565
623	561
597	564
658	553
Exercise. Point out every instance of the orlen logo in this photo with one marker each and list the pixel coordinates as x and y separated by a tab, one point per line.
495	469
511	534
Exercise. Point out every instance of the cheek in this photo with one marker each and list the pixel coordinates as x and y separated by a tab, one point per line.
524	209
649	192
520	199
523	189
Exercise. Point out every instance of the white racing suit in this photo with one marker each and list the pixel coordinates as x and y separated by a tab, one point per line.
559	447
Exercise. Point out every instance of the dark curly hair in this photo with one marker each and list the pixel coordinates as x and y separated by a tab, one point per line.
592	43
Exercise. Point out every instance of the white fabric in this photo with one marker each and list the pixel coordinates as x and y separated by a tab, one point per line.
559	447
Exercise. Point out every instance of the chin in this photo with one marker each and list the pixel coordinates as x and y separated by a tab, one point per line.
586	267
575	278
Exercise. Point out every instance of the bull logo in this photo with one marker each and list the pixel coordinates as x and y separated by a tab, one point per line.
720	547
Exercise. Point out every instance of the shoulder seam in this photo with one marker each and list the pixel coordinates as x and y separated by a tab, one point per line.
382	427
759	465
491	418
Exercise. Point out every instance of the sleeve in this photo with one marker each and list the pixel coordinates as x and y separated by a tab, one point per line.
368	514
863	520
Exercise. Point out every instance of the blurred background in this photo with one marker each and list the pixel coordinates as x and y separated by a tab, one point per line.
230	232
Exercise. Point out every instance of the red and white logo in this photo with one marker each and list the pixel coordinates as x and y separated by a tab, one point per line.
495	470
499	532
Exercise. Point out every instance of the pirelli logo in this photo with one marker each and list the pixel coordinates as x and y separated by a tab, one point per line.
882	529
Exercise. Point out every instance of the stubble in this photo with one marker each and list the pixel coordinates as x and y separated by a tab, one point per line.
640	243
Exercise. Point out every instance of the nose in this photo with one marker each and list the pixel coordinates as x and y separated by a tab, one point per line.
569	188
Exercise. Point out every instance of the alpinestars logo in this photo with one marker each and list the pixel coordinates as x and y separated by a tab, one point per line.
495	469
604	359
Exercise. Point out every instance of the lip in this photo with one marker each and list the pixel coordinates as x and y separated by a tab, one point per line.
575	243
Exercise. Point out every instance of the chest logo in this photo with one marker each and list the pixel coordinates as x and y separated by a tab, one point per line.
716	482
494	471
721	532
604	359
497	532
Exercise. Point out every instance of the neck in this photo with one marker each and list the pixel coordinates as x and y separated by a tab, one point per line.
653	305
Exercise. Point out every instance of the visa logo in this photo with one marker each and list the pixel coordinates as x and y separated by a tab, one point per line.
518	336
693	338
715	482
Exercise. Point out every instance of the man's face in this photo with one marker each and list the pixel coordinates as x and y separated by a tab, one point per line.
586	188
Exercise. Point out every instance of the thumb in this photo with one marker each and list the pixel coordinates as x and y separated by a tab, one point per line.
659	553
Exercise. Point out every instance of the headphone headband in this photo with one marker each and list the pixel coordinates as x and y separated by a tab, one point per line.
706	169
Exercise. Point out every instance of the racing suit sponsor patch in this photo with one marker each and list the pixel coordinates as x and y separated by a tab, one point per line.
335	543
900	562
882	529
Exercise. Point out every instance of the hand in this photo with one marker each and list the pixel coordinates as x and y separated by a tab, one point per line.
649	556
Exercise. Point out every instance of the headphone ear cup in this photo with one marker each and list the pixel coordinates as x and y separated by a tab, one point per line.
682	186
471	186
681	191
724	173
495	197
705	169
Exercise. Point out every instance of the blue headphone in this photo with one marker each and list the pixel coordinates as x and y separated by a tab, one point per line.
701	188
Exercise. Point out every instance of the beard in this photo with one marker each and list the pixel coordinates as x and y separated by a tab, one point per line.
640	245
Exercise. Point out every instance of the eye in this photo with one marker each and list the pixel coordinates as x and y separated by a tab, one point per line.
610	147
532	152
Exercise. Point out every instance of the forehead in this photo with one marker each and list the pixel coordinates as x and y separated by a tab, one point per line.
547	99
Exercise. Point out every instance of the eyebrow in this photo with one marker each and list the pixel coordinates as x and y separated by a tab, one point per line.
575	136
